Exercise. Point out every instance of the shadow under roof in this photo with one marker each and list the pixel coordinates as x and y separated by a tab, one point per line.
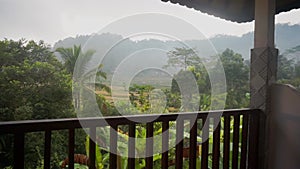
233	10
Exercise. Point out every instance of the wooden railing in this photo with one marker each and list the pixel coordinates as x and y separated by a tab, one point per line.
238	150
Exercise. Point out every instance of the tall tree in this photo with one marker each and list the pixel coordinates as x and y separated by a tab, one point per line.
182	57
33	85
236	71
77	63
289	67
285	68
237	79
193	71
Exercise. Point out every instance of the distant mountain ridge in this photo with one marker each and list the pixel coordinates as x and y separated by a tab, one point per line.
286	37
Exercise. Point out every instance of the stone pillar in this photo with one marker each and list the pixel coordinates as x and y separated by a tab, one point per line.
262	75
263	72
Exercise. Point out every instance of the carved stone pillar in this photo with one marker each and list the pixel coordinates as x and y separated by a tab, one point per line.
262	75
263	72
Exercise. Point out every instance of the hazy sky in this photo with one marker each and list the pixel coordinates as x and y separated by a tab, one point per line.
53	20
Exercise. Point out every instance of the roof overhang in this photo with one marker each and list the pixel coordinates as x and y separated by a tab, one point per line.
233	10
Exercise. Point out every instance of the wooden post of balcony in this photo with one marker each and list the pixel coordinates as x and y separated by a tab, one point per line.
263	71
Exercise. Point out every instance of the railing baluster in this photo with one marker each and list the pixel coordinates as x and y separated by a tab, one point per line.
92	148
131	147
179	144
113	147
244	142
205	135
47	148
165	144
235	151
19	150
226	149
149	146
216	144
247	140
193	144
71	148
253	140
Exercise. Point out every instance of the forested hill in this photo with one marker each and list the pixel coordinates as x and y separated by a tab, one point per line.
287	37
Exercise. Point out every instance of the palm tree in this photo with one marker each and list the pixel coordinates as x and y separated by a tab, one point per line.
76	63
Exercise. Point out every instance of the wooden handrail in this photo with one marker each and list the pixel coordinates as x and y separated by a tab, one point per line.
7	127
247	144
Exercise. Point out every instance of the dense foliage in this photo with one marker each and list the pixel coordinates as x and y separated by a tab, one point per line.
289	67
236	72
35	85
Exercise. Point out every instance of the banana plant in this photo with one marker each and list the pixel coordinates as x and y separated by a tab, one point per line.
100	160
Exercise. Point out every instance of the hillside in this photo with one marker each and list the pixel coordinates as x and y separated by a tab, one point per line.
287	36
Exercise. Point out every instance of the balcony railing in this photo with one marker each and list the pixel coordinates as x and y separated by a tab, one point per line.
238	140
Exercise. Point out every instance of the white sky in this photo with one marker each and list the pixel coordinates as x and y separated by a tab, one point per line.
53	20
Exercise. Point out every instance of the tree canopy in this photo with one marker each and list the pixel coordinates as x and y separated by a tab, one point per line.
182	57
34	85
236	71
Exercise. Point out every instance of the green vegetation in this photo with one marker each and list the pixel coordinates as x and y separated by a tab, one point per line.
237	77
236	71
289	67
76	63
35	85
182	57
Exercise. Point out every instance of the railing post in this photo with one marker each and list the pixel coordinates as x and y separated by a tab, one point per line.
165	144
245	128
131	146
205	144
179	144
92	148
47	148
253	140
113	146
193	144
71	148
149	146
226	144
236	132
216	144
19	150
